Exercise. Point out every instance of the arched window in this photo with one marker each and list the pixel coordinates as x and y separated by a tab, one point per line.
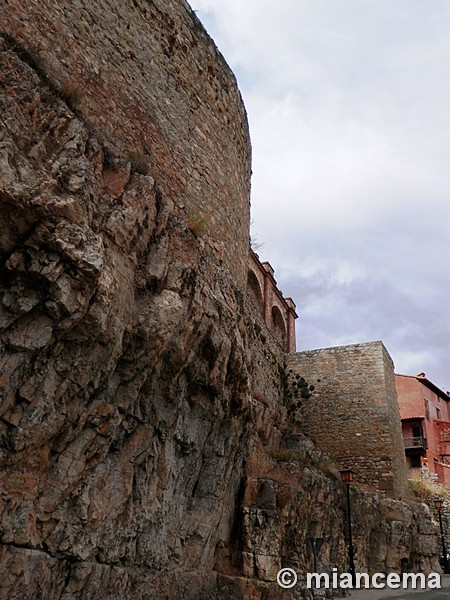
278	326
254	291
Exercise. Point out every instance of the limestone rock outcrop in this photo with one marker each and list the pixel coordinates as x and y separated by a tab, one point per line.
124	364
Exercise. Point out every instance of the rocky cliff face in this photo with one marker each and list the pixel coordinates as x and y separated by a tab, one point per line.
124	364
145	446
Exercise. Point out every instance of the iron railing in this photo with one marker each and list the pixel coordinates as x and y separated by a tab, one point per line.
415	442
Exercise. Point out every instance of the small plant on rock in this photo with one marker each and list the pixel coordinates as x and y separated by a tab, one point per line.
298	387
72	94
295	386
197	225
140	163
296	390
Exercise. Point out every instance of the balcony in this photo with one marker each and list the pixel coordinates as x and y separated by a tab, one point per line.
411	443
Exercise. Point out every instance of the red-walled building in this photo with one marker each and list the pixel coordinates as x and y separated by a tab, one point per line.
425	415
277	312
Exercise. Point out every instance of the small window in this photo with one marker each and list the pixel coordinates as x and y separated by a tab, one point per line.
438	413
427	409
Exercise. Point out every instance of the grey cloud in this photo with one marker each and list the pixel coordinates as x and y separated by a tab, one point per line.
349	110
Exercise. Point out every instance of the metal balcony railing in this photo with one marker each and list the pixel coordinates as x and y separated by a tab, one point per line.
415	442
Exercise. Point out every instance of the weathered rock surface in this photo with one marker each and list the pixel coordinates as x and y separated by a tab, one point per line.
124	370
143	438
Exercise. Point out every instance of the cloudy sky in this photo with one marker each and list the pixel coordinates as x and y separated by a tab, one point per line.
349	110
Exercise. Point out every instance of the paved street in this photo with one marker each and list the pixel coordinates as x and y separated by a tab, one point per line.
387	594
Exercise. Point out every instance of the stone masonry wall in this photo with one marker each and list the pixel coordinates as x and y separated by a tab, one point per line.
353	414
148	80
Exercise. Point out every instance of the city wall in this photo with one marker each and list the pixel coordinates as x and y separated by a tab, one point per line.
352	414
149	81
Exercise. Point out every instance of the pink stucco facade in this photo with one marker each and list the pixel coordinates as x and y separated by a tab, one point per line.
425	415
